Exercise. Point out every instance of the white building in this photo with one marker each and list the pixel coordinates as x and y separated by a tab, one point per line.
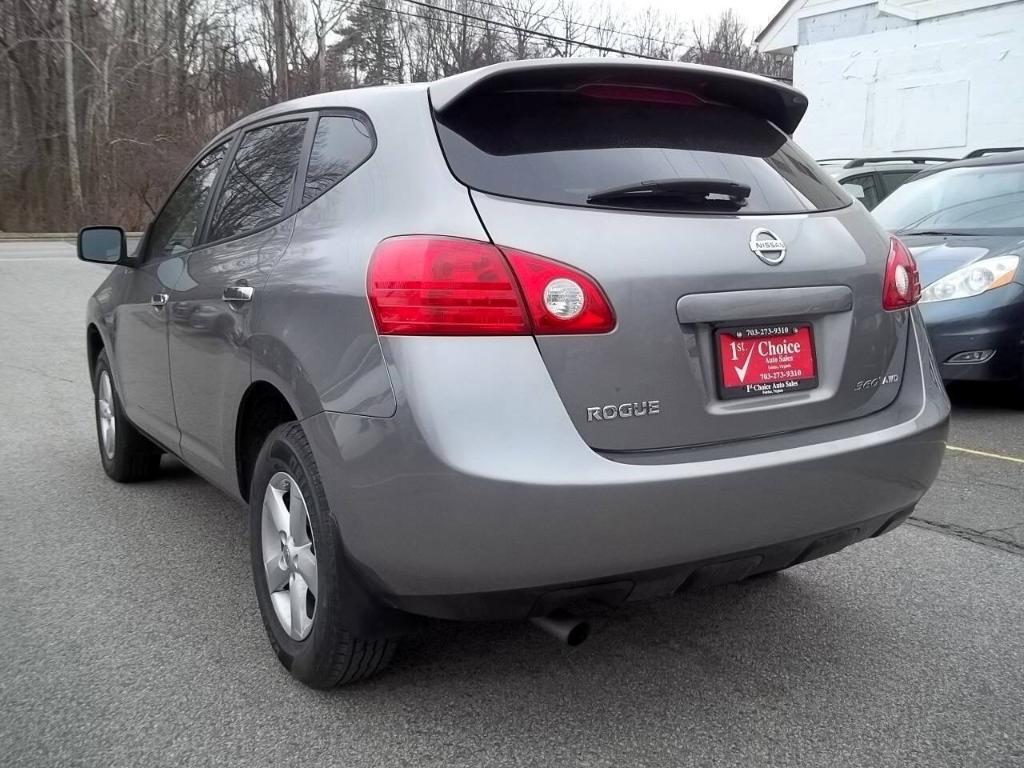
905	76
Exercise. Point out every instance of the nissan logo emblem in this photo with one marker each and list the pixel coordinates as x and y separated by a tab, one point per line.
767	246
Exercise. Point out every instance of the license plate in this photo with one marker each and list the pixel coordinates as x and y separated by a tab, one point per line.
765	360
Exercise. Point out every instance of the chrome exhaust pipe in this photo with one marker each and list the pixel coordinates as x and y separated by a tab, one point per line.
563	627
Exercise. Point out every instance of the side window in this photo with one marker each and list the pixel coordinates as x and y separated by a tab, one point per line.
177	226
893	180
340	146
259	180
863	188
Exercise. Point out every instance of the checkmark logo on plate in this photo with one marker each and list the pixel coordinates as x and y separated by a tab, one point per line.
741	371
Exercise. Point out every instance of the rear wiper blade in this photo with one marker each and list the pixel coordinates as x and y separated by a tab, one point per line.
687	193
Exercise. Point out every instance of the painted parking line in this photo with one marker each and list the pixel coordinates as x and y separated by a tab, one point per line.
986	454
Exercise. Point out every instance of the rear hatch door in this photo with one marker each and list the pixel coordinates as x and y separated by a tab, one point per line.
720	335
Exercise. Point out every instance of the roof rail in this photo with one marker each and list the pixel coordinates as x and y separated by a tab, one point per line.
989	151
862	161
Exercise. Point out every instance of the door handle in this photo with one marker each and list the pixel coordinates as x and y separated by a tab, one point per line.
238	293
157	300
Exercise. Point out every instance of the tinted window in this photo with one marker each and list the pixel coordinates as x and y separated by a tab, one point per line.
340	145
177	226
892	180
863	188
562	147
961	199
259	180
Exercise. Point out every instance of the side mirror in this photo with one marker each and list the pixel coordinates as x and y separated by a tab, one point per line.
103	245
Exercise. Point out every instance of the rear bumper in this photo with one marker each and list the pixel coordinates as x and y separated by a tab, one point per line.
992	321
466	505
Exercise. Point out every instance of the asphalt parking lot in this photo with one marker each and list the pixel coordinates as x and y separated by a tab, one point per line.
130	632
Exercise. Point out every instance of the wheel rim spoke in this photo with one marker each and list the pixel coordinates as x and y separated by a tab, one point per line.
298	515
299	622
305	564
277	574
273	503
105	413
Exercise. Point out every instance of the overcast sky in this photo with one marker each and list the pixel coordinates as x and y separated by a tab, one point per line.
755	13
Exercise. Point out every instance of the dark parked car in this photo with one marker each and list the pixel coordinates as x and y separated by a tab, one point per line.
872	179
541	333
964	223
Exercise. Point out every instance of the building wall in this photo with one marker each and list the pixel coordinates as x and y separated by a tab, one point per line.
943	85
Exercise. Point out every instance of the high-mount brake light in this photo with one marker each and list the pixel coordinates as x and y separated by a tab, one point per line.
446	286
902	286
640	93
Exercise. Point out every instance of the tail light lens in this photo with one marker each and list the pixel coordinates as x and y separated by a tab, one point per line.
902	286
445	286
560	299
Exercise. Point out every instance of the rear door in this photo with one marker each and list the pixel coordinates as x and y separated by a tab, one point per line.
210	314
687	275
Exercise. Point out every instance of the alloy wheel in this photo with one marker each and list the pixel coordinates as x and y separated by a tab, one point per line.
105	411
289	556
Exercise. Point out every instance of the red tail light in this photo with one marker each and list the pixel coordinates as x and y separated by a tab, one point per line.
902	287
581	305
446	286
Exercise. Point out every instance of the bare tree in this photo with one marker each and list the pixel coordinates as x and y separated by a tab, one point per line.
70	114
327	15
725	42
107	100
527	18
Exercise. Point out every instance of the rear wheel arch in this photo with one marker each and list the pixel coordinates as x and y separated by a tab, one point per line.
262	409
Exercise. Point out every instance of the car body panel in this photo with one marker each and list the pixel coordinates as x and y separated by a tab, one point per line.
211	344
468	513
646	261
329	357
137	332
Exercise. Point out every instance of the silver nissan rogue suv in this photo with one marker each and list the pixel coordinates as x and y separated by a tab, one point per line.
539	334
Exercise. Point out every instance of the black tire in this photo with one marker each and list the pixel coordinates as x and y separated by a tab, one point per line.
331	654
134	457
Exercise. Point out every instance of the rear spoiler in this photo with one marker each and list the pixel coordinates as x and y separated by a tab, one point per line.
781	104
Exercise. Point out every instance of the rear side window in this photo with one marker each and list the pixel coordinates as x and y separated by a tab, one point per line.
561	147
893	180
259	180
862	187
341	145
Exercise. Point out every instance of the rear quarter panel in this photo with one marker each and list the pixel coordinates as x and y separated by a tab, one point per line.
314	338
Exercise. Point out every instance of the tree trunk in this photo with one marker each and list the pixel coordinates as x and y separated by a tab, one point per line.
280	51
321	63
71	119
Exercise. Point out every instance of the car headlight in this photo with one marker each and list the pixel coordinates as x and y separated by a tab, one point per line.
973	279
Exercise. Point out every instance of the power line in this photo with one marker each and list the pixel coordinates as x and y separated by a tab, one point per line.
615	32
533	33
550	38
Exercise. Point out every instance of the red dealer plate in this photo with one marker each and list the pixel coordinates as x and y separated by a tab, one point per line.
765	360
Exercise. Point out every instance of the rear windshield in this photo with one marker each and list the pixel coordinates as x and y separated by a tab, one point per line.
562	147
